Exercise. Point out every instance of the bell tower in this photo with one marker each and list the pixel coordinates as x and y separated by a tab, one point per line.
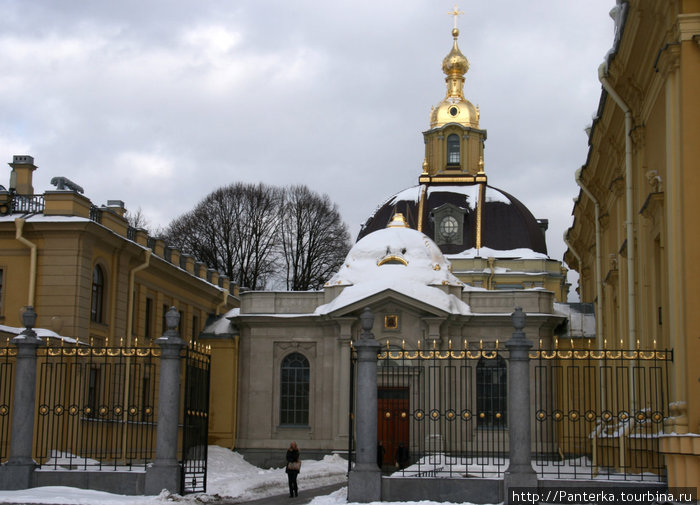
454	145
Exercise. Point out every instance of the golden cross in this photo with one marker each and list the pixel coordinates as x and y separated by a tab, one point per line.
456	12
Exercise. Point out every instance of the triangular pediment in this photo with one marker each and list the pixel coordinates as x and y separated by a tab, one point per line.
389	296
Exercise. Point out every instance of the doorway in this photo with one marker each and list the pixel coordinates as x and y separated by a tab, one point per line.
392	425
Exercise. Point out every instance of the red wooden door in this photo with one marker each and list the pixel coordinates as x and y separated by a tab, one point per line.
392	422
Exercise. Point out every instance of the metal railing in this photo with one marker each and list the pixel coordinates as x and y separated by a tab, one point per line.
27	203
195	425
442	413
7	365
598	413
595	414
96	407
96	214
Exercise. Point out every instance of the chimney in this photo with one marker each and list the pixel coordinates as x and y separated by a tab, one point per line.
21	175
117	206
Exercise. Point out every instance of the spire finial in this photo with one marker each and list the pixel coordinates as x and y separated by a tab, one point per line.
455	12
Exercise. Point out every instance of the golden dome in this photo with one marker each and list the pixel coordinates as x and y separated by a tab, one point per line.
454	108
455	62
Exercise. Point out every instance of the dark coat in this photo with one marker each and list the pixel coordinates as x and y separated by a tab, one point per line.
292	455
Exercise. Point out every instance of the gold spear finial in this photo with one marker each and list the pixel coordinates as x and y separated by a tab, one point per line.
455	12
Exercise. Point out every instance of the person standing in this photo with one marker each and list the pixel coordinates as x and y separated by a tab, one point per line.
293	467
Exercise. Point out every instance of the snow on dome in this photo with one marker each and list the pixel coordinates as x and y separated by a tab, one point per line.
424	262
401	259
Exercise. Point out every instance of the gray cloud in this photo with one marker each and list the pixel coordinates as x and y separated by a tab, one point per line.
157	103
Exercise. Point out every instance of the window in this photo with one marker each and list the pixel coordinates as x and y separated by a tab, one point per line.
449	227
294	391
491	392
93	393
164	322
2	280
146	407
453	149
148	327
98	285
195	327
134	316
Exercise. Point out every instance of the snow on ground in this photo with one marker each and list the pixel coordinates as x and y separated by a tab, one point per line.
229	476
232	476
338	497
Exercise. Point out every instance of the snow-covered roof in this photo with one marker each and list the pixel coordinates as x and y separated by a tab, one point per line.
222	324
401	260
486	252
581	318
40	332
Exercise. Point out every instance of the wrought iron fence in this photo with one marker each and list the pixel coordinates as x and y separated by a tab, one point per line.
195	431
7	365
27	203
598	413
442	413
95	214
96	407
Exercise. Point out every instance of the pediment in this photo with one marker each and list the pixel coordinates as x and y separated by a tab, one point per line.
388	296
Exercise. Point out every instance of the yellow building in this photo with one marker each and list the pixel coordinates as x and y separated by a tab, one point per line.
634	239
88	274
91	277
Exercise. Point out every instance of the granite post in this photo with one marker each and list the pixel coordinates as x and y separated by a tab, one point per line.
18	471
165	471
365	479
520	472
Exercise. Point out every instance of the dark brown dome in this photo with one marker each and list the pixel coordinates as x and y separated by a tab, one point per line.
506	224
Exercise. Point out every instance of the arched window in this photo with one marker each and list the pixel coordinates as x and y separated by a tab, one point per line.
294	396
98	284
453	149
491	392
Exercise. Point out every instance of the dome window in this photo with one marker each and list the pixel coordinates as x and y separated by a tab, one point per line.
453	150
449	227
449	224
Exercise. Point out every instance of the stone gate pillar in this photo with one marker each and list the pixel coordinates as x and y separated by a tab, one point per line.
520	472
165	471
18	471
365	480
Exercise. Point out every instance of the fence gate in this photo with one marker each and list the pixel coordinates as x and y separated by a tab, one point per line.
195	432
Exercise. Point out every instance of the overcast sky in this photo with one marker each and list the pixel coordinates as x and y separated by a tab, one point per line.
157	103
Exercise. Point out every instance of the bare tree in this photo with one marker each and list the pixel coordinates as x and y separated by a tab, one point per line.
234	231
314	239
137	219
250	231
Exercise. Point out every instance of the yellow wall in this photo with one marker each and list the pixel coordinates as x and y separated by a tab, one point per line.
656	72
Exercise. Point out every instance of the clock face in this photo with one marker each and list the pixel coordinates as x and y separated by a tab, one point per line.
448	227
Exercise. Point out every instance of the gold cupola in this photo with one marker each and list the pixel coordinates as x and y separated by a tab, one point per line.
454	108
454	144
